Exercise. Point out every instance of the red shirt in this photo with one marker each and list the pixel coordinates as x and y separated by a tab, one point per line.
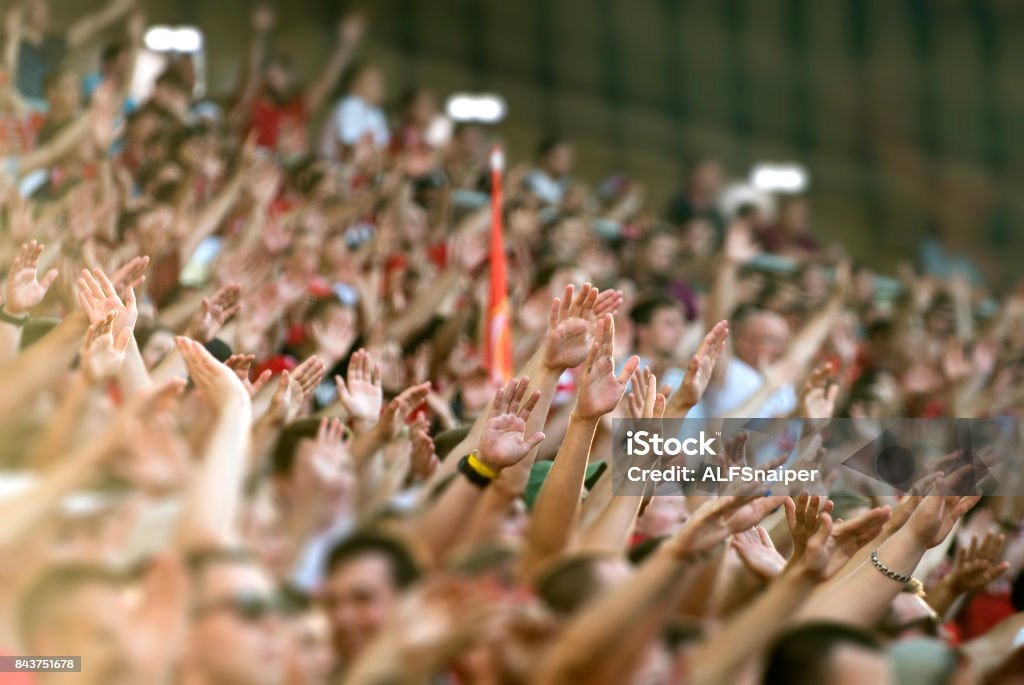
273	122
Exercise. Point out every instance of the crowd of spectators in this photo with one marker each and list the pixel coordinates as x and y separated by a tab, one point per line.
250	434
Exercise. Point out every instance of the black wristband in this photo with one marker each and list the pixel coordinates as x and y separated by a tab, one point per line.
13	320
477	479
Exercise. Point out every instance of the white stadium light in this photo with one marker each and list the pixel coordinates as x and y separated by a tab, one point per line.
179	39
486	108
779	178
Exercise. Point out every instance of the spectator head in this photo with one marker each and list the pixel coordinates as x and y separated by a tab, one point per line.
794	217
37	15
418	106
114	60
292	453
63	93
78	609
761	337
658	323
366	82
277	76
826	654
706	176
556	156
366	574
909	615
172	93
659	254
570	583
237	630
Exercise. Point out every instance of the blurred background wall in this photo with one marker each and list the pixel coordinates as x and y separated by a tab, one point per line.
903	110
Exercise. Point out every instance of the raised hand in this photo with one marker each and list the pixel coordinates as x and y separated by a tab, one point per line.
309	373
241	365
849	536
755	548
503	442
699	370
803	518
424	457
600	388
937	513
362	396
322	465
977	565
218	384
398	411
98	297
814	561
818	394
102	356
24	289
643	401
715	520
214	312
131	274
569	331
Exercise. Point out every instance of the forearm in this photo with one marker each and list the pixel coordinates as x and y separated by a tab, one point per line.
611	529
618	624
23	513
51	153
718	659
55	441
212	214
863	596
324	83
86	28
423	306
41	365
10	341
134	377
213	499
439	526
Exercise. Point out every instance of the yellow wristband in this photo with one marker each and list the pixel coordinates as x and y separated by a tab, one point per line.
480	467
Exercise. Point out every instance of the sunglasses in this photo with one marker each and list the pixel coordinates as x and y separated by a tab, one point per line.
251	608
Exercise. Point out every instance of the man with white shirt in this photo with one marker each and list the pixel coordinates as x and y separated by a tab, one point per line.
358	116
760	340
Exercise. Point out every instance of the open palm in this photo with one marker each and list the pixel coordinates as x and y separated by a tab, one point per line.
569	331
600	388
504	441
24	288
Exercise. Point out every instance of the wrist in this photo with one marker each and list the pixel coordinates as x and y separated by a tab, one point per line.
13	312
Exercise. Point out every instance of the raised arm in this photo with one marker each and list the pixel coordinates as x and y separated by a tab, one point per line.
214	496
89	26
350	31
553	519
503	444
24	290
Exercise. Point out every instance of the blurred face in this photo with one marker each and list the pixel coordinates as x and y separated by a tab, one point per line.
278	78
360	597
65	95
230	643
560	160
660	254
369	85
663	515
423	109
794	216
851	665
660	337
37	15
311	646
707	178
762	339
94	627
157	347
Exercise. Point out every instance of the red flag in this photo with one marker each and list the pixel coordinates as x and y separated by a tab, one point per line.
498	336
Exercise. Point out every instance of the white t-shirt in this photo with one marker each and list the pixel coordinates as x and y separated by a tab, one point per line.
740	383
350	120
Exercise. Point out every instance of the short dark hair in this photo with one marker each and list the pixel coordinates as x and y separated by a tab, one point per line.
643	311
548	144
404	569
40	608
572	583
282	459
801	656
